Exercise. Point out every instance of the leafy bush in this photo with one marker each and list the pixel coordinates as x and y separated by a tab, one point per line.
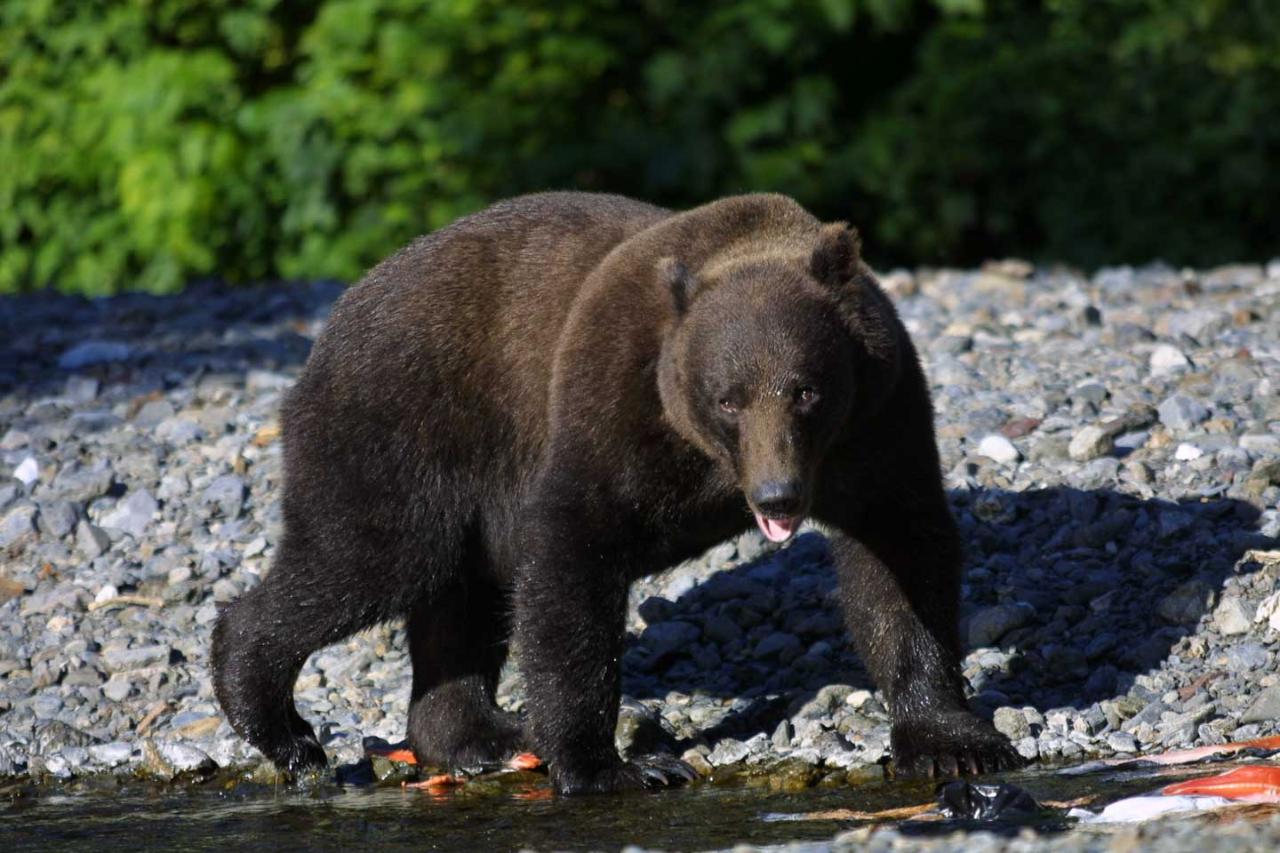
150	142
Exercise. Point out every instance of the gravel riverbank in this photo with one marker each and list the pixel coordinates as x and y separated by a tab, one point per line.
1112	446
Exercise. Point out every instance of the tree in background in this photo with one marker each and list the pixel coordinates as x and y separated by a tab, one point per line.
150	142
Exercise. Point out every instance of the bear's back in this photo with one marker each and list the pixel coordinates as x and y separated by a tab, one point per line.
437	364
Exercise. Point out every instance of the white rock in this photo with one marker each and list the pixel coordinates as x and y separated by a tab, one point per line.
1167	359
28	471
1269	611
107	593
1187	452
999	449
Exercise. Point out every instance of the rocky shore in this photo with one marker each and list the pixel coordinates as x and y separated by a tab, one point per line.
1112	449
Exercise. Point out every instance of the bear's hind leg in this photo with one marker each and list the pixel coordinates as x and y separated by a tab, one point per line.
458	643
260	643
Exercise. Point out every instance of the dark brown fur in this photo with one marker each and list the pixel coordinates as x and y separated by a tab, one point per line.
513	418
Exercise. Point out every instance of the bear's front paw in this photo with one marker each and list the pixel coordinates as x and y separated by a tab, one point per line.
299	756
645	773
953	743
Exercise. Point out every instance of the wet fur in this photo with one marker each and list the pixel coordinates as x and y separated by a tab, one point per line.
508	422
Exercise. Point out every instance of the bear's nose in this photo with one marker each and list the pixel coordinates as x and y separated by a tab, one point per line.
777	498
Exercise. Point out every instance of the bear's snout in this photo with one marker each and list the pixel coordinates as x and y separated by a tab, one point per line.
779	507
779	498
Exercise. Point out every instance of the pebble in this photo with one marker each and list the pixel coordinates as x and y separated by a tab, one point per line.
1166	359
1265	708
123	660
27	472
1181	413
18	524
999	449
133	515
1090	442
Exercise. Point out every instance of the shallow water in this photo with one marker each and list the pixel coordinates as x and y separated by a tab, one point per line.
508	814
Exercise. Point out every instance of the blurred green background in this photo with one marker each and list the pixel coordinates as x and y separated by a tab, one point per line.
147	143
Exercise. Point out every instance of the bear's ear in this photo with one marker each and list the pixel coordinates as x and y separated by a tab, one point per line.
677	278
835	258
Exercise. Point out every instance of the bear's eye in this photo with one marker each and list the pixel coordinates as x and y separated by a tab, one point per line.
728	406
806	396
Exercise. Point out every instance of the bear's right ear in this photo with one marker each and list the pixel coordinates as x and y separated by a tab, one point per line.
677	278
835	259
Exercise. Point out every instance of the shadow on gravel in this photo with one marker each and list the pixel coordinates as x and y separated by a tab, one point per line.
137	338
1074	593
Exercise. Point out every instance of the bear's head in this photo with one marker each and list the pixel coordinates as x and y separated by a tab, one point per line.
767	360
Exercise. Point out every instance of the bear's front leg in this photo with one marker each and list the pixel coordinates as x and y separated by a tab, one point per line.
899	572
570	616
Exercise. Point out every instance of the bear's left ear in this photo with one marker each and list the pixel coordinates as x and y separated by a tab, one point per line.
677	278
835	259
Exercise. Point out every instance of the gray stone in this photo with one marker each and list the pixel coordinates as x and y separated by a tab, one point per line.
132	515
1012	723
153	413
988	625
58	518
1232	616
90	353
1090	442
1265	707
91	540
1180	414
728	751
179	431
111	754
18	526
167	759
117	688
1261	444
1122	742
225	495
1244	657
125	660
54	736
9	491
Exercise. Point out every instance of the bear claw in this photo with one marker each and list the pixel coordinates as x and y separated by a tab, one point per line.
644	773
951	745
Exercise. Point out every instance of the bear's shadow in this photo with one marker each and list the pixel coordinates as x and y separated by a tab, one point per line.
1076	593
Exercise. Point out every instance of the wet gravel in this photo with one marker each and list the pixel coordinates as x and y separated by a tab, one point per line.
1112	449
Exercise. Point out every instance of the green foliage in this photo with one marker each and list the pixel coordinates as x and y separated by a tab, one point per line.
150	142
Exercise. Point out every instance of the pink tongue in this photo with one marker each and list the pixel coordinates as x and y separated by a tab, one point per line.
777	529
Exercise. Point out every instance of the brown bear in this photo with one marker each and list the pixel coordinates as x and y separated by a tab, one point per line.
513	418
